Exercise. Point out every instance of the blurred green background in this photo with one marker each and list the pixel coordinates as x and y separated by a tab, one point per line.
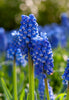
46	11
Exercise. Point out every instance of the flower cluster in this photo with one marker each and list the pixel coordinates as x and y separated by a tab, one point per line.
28	30
63	41
9	37
65	76
39	48
14	49
50	92
3	40
64	19
28	39
41	53
41	89
37	44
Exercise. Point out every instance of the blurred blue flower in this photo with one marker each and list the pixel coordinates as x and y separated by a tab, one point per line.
9	37
41	89
63	41
65	23
3	40
65	76
52	33
64	19
57	34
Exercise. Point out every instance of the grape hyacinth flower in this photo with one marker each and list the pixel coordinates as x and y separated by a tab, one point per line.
41	53
37	51
27	31
64	19
63	41
65	23
50	92
52	34
14	49
3	40
14	53
9	37
41	89
21	62
65	77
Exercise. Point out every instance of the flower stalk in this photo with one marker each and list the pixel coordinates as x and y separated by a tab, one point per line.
15	79
68	91
46	89
31	78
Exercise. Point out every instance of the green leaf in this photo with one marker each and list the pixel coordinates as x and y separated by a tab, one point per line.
28	97
20	84
1	74
22	95
6	91
60	96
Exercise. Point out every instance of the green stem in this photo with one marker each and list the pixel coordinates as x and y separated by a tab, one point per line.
68	92
46	89
31	78
15	79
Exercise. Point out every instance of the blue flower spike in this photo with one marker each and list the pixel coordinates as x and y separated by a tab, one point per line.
41	53
28	30
3	40
14	48
41	89
14	53
65	77
36	48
